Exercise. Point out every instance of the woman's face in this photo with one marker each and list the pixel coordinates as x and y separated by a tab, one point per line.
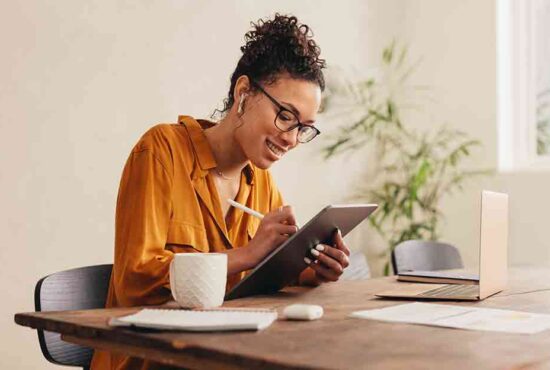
260	140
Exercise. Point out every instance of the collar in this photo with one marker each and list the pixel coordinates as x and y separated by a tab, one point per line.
203	150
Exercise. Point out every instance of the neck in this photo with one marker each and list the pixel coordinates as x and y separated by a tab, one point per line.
229	156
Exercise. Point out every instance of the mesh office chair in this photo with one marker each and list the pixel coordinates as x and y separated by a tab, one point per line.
75	289
425	255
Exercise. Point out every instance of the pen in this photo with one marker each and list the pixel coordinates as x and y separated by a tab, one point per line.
245	209
249	210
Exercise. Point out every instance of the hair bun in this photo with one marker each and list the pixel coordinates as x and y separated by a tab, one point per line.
276	46
285	39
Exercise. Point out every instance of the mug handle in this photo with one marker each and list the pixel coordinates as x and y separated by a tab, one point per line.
172	277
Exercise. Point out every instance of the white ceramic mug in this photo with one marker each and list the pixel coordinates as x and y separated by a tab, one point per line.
197	280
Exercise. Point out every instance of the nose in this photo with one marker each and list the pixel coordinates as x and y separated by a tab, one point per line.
290	138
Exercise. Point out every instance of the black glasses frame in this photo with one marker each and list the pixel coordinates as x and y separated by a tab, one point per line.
281	108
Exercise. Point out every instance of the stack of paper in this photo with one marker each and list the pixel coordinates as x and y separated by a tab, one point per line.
460	317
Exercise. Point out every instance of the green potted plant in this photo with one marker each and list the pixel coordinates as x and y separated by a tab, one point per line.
409	170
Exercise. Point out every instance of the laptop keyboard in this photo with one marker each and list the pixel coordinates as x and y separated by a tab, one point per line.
452	290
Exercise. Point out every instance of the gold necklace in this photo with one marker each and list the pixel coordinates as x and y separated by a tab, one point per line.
220	174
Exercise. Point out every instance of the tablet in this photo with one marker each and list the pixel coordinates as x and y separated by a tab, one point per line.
286	262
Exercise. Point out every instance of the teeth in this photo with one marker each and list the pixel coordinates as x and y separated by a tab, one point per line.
274	149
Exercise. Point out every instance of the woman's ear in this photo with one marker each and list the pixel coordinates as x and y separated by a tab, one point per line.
242	86
242	97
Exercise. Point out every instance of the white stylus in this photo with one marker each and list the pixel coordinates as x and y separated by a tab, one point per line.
249	210
245	209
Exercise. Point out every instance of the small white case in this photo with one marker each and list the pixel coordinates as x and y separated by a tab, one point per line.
303	312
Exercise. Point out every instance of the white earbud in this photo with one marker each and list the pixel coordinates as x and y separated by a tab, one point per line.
241	102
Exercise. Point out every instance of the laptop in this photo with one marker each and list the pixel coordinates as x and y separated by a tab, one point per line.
493	260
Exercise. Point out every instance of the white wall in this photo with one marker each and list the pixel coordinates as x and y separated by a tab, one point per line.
457	43
81	81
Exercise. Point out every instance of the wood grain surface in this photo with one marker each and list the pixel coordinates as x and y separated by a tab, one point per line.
336	341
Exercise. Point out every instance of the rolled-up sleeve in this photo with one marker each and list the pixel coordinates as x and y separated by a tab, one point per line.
141	268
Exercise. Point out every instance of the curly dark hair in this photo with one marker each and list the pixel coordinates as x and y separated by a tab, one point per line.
276	46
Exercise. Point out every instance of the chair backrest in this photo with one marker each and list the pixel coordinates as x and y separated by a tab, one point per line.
75	289
425	255
358	268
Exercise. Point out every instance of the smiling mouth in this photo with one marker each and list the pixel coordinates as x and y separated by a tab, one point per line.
275	149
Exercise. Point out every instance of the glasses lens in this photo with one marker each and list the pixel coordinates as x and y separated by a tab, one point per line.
286	120
306	133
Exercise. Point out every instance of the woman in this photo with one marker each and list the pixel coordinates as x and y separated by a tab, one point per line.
172	191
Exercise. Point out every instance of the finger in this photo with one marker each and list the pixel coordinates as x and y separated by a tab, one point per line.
288	213
284	214
332	252
340	244
318	278
324	272
330	263
285	229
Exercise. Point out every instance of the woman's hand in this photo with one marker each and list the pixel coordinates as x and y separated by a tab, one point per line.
327	263
276	227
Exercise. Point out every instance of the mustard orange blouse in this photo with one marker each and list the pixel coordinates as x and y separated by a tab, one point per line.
168	203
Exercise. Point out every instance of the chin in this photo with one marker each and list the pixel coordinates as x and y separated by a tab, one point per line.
263	158
262	163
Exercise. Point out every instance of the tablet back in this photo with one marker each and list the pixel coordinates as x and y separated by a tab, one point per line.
286	262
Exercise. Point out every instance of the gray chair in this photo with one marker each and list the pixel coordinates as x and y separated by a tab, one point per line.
358	268
425	255
76	289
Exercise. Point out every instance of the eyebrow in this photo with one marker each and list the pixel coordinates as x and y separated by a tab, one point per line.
294	110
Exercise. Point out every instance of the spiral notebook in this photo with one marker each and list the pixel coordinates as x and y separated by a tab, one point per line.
198	320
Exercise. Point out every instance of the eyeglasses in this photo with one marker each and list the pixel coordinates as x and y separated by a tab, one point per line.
286	120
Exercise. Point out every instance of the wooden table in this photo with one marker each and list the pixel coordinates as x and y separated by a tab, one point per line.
335	341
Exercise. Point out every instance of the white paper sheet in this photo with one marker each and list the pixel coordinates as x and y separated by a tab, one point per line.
460	317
